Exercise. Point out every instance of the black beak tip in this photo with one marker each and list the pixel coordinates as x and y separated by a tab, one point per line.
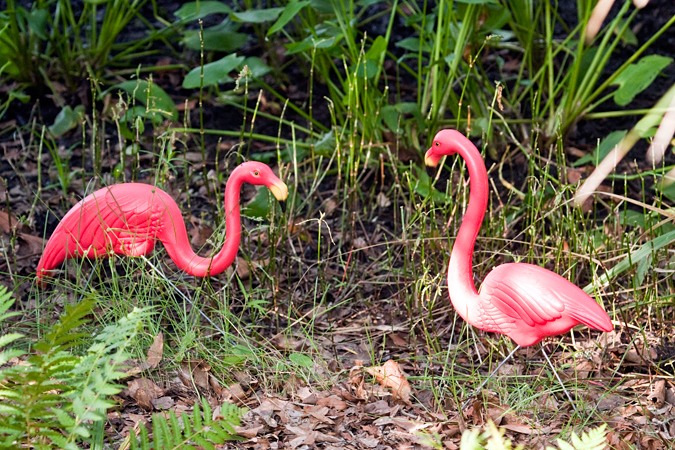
282	203
431	171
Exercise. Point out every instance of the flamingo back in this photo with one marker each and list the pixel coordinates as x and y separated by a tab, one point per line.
121	219
528	303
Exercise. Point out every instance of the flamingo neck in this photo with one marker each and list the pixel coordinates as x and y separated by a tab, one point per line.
180	250
460	275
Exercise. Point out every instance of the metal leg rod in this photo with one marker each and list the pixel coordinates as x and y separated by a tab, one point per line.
569	397
489	376
208	319
93	269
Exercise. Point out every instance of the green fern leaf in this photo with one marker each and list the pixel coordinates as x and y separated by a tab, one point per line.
145	439
471	440
133	440
175	427
564	445
197	416
593	440
7	339
203	441
6	302
160	432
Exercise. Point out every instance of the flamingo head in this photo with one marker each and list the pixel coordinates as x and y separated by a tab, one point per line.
260	174
443	145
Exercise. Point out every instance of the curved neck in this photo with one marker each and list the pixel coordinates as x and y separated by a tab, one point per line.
178	246
460	274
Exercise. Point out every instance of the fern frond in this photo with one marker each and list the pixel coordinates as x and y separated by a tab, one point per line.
593	440
6	355
6	302
57	398
198	430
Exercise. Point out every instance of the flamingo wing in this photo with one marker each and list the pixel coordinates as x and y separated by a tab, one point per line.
527	303
110	220
524	292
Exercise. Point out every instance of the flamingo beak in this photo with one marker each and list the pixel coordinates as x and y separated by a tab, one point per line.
430	159
279	190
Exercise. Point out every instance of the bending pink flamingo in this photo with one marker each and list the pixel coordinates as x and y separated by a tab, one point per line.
523	301
129	218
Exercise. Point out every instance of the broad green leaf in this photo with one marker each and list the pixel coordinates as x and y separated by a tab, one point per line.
259	207
301	360
668	190
257	67
635	257
606	146
391	114
7	66
642	270
67	119
366	69
151	95
310	42
257	15
413	44
222	38
478	2
378	48
497	18
423	187
37	22
627	36
214	73
326	144
289	12
637	77
323	6
631	218
199	10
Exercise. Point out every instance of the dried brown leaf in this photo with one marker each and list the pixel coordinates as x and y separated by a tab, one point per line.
518	428
8	222
307	396
144	391
397	339
163	403
234	392
248	432
319	413
390	376
381	408
35	244
195	373
155	351
333	402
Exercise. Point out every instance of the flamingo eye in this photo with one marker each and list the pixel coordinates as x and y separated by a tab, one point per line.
437	143
256	173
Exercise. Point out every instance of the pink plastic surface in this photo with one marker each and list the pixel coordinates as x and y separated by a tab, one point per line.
523	301
128	219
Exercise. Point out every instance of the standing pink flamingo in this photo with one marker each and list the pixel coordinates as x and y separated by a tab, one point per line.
523	301
128	219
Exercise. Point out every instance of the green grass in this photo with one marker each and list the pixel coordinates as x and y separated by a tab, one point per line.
364	242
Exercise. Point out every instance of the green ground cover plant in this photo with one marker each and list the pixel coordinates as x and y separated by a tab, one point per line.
342	98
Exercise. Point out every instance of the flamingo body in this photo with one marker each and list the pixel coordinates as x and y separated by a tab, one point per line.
129	218
523	301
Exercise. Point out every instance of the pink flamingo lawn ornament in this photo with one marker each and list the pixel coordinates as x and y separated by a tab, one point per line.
128	219
523	301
